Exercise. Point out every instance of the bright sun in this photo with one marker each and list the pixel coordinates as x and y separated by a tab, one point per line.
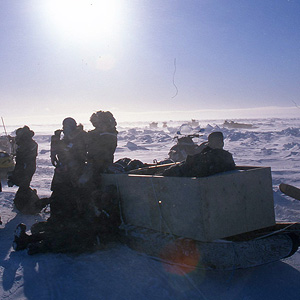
85	20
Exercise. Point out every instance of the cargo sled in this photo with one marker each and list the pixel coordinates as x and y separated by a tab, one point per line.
7	162
225	221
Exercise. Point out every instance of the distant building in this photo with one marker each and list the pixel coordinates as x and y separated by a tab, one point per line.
153	125
194	123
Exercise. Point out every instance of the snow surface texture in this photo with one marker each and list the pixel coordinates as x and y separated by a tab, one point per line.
121	273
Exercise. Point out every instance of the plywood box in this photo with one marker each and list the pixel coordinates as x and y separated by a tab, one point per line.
203	209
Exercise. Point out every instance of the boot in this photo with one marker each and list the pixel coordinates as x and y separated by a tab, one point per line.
21	239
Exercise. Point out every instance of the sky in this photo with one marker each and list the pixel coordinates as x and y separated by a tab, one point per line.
149	59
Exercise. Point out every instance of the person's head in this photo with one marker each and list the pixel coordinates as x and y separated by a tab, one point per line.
104	120
23	134
216	140
69	125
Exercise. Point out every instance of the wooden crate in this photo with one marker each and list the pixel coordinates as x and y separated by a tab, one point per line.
203	209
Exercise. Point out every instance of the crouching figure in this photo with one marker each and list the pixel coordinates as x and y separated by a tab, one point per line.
97	228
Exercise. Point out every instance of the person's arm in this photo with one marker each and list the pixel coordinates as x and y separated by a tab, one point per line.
55	140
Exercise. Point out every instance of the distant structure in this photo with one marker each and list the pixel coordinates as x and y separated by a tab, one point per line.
165	125
233	124
194	123
153	125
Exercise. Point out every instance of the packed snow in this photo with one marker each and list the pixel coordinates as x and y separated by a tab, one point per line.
120	272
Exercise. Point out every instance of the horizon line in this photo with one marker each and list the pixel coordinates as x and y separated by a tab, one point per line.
164	115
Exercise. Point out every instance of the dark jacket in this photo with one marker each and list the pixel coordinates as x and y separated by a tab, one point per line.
69	154
25	167
101	147
208	162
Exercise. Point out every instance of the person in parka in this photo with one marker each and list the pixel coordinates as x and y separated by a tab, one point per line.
101	143
60	232
68	156
26	199
211	160
26	154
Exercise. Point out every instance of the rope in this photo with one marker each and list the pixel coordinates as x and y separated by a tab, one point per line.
194	286
174	79
119	202
233	266
275	232
158	203
160	212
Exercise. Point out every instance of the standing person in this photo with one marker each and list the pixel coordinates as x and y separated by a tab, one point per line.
101	143
26	199
26	154
68	156
103	210
73	227
60	232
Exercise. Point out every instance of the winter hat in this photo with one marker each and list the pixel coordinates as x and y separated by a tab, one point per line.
100	118
24	132
69	122
216	140
216	135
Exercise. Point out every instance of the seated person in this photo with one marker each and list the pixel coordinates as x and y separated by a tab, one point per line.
211	160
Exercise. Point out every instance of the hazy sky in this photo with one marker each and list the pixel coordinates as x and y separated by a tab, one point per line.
71	58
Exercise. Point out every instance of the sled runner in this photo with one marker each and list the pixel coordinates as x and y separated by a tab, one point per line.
290	190
237	252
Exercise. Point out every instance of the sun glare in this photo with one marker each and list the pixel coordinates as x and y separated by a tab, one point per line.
84	20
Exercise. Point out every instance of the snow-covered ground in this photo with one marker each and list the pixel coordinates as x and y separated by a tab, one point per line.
121	273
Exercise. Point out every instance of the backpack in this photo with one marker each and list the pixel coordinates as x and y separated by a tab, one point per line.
27	201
